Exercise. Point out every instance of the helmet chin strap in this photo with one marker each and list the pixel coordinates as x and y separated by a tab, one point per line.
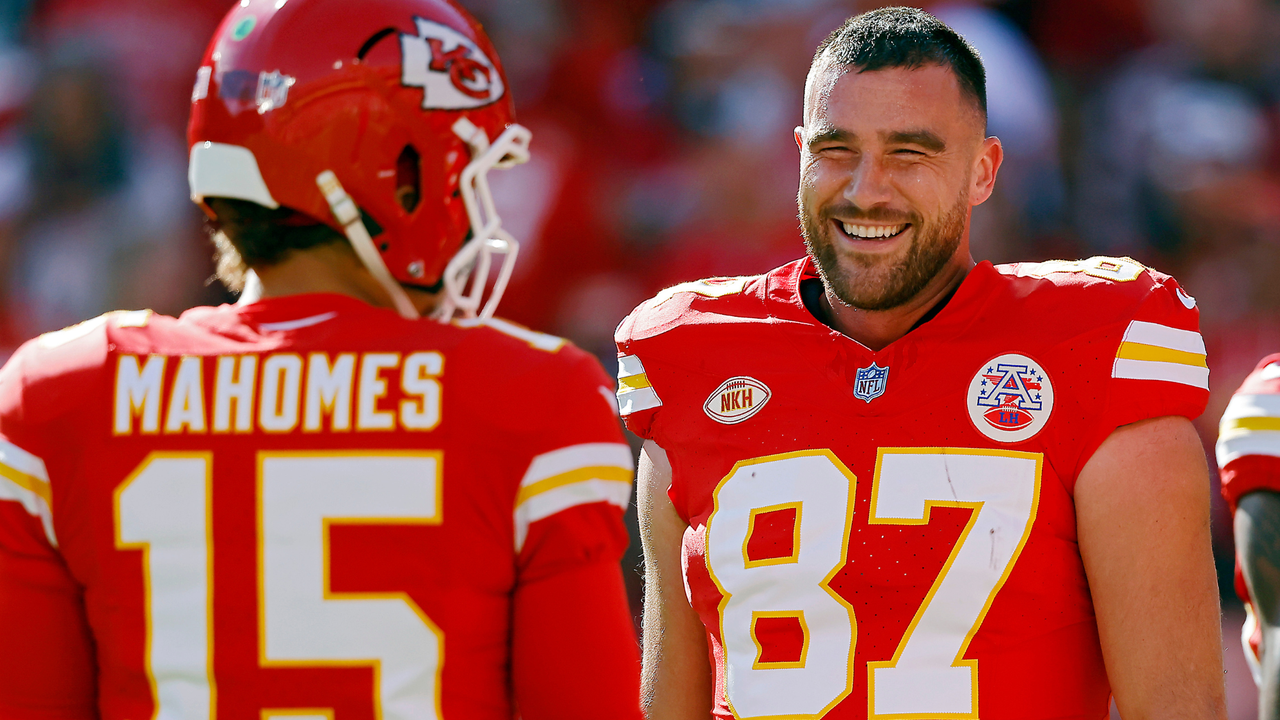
348	215
474	260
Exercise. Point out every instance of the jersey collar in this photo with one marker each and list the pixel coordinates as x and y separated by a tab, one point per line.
947	317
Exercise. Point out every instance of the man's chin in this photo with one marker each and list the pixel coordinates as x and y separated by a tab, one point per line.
855	295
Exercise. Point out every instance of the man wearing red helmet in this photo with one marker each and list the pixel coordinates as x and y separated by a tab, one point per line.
315	503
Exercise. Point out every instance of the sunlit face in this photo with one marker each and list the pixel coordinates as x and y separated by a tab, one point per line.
887	178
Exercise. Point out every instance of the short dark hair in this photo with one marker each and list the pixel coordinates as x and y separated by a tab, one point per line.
903	37
248	235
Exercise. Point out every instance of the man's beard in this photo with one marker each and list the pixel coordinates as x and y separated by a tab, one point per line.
870	282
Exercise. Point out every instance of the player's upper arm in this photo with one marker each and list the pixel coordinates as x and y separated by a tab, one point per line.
676	681
1257	531
1142	505
47	667
1248	452
574	653
577	481
1157	361
1248	448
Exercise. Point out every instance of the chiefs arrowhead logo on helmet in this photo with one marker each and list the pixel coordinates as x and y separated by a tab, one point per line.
453	72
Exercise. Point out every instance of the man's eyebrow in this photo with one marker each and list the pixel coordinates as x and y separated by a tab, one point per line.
829	134
926	139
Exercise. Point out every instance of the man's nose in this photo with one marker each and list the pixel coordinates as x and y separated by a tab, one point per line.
869	184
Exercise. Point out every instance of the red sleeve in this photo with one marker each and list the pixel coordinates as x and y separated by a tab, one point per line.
47	665
1248	447
1159	366
638	400
574	648
574	652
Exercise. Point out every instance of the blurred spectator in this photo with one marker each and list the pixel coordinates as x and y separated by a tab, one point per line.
1029	204
1181	135
93	233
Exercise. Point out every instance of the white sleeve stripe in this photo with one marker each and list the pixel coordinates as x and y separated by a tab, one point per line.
637	400
546	504
23	461
610	398
1263	442
629	365
1243	406
575	457
1164	371
33	503
1164	336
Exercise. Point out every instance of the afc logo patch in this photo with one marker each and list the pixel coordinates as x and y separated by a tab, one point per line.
452	71
1010	398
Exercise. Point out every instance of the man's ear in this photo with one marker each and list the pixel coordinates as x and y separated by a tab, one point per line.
986	167
799	135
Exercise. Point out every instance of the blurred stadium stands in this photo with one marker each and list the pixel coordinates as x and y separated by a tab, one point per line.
663	152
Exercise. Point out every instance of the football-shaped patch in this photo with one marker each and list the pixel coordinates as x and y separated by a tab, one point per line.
737	399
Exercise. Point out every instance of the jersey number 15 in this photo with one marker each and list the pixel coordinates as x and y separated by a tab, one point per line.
164	510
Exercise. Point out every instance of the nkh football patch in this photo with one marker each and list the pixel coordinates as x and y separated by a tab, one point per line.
1010	398
453	72
737	399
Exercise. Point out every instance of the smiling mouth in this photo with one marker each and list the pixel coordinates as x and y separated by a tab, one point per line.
872	232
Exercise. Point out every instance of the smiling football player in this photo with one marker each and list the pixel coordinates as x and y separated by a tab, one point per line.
885	481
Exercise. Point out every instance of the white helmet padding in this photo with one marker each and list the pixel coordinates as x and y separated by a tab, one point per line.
230	171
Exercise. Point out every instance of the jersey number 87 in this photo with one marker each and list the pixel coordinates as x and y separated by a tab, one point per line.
927	674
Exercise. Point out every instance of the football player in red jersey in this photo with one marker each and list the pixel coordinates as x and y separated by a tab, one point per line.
1249	464
887	482
316	503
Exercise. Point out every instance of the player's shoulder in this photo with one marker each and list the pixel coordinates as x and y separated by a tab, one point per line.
710	301
509	376
1251	423
83	347
503	353
1264	380
54	372
1141	307
1118	283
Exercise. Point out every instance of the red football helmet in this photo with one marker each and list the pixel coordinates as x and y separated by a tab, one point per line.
333	107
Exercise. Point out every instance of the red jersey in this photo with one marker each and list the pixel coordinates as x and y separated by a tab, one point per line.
307	507
892	533
1248	460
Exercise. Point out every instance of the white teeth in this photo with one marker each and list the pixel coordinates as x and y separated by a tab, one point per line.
872	231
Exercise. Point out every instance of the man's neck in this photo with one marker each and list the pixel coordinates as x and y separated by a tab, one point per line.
876	329
331	268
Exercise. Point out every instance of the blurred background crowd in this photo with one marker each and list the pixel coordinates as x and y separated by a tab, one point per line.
663	153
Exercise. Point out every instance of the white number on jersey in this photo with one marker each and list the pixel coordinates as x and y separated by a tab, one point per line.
928	674
163	509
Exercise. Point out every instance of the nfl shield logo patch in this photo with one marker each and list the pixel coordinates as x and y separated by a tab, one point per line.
870	381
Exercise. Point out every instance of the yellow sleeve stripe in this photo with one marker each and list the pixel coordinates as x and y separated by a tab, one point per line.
1156	353
632	383
1237	426
608	473
30	483
24	479
571	476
